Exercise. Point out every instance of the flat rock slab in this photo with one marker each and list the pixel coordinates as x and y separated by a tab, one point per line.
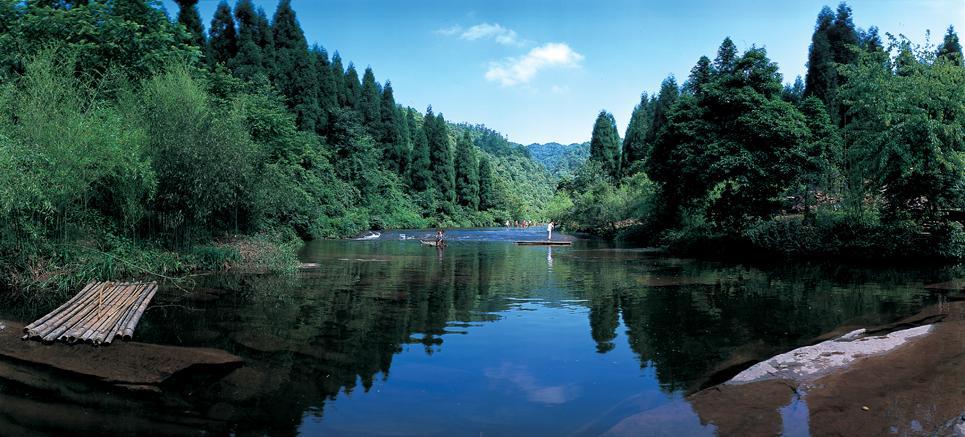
807	363
129	365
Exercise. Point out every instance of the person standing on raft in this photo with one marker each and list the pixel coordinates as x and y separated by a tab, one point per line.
549	231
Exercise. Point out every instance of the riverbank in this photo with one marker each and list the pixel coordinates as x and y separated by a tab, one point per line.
913	384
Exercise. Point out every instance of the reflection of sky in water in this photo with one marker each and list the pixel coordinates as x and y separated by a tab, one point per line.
528	372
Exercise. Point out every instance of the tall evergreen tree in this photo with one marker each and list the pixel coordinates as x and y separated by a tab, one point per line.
419	174
871	40
250	61
467	173
605	143
951	48
327	95
294	72
440	156
635	147
390	132
821	77
726	60
189	17
700	76
669	92
353	89
487	189
843	36
223	41
370	104
794	93
338	77
266	41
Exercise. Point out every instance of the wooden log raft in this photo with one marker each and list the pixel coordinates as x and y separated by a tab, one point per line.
99	313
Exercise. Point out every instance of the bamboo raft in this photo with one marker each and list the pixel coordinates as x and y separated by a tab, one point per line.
544	243
98	314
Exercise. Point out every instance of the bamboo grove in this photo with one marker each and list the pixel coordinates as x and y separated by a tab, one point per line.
130	140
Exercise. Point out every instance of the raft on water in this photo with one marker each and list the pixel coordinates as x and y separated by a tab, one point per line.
99	313
544	243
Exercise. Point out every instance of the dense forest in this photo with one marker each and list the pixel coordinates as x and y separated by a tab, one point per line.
561	160
864	157
134	142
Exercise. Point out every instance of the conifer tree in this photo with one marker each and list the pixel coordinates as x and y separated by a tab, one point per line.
726	60
843	36
353	89
821	77
294	72
327	96
189	17
250	61
440	156
700	76
419	175
871	41
487	190
390	131
605	143
794	93
338	77
370	104
635	148
669	92
266	41
223	43
467	172
950	48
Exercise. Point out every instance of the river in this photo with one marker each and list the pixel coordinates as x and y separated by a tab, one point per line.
485	337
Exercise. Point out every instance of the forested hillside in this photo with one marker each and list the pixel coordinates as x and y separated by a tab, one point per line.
131	141
561	160
864	157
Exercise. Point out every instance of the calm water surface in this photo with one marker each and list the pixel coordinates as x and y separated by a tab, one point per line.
489	338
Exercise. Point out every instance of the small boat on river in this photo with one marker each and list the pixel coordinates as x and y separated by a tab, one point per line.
432	243
544	243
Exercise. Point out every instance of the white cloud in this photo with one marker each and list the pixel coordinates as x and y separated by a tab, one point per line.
449	31
494	32
484	31
520	70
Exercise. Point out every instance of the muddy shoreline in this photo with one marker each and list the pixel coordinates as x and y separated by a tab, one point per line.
915	388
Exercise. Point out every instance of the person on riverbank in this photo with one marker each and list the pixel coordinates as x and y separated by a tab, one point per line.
549	231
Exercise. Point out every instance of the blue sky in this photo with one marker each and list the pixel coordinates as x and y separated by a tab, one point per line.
540	71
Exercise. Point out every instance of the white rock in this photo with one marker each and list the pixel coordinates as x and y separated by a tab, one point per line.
810	362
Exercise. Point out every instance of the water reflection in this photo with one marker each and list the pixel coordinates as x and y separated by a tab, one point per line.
488	336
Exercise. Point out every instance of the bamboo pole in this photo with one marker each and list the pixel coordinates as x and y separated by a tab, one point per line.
40	330
98	332
58	322
26	329
67	329
94	313
129	329
131	311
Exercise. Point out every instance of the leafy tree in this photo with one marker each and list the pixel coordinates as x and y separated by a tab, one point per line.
487	192
370	103
223	41
189	17
635	147
294	74
419	172
905	140
467	173
951	48
605	144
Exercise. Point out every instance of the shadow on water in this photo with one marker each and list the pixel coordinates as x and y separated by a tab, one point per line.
485	336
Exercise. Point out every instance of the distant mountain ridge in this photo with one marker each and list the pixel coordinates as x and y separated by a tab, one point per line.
561	160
